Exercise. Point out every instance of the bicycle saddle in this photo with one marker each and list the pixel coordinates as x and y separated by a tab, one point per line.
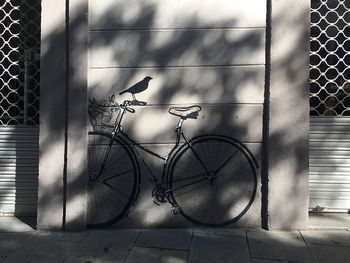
190	112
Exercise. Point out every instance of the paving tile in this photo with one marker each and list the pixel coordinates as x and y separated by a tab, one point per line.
156	255
102	258
166	238
218	248
10	242
62	236
221	231
330	254
34	258
286	246
340	238
39	250
261	260
105	246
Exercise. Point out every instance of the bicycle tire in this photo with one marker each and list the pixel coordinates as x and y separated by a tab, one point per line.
222	197
112	189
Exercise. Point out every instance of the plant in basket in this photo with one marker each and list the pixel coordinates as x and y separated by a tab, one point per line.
102	113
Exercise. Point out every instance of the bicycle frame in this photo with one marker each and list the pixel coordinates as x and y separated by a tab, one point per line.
174	177
118	130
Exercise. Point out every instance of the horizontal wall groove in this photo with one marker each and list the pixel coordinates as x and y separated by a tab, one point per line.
150	29
171	143
180	66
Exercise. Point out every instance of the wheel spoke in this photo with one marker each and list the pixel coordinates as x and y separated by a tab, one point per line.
226	162
114	190
192	189
187	185
188	165
114	156
190	177
227	188
114	197
117	175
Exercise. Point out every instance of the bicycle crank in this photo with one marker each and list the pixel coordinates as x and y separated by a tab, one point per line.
158	194
212	176
93	177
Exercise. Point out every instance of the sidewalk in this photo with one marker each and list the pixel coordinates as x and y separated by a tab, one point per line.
175	246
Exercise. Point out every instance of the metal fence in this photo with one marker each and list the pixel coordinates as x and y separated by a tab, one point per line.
330	58
19	62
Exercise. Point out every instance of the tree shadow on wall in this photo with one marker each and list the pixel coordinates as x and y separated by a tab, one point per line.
189	66
220	67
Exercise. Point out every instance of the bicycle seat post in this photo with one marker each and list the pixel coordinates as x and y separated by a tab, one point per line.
179	124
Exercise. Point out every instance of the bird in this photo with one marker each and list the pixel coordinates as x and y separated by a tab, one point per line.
138	87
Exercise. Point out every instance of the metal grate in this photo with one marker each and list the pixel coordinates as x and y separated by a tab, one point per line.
330	58
19	61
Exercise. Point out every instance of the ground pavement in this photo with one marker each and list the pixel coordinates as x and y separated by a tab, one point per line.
19	243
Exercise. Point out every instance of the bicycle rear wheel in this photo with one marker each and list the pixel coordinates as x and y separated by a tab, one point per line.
113	179
214	182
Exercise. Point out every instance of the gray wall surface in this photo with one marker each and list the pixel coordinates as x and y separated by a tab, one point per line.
198	52
63	116
52	119
288	168
251	86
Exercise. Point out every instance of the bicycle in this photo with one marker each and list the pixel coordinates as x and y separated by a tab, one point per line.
211	180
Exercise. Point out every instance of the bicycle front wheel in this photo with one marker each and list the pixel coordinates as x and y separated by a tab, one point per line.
113	179
213	180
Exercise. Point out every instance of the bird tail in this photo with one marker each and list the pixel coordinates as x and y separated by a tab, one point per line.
122	92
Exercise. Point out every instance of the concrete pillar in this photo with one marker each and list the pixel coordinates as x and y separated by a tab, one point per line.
63	109
288	118
77	116
52	115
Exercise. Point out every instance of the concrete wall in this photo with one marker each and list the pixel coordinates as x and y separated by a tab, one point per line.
63	116
251	83
52	117
288	168
210	53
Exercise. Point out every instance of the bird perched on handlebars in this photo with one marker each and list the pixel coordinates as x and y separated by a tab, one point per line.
138	87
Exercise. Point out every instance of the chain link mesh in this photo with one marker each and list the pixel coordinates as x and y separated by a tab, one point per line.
330	58
19	61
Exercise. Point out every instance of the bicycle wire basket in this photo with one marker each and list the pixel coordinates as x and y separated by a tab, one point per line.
103	115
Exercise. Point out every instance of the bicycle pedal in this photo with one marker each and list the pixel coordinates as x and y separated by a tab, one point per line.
175	210
154	180
154	201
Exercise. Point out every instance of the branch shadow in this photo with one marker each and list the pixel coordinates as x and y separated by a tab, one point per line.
221	67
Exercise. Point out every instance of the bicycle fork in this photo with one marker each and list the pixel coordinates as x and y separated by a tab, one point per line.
95	177
210	176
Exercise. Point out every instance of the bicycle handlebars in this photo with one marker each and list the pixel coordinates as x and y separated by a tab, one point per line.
128	109
125	105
